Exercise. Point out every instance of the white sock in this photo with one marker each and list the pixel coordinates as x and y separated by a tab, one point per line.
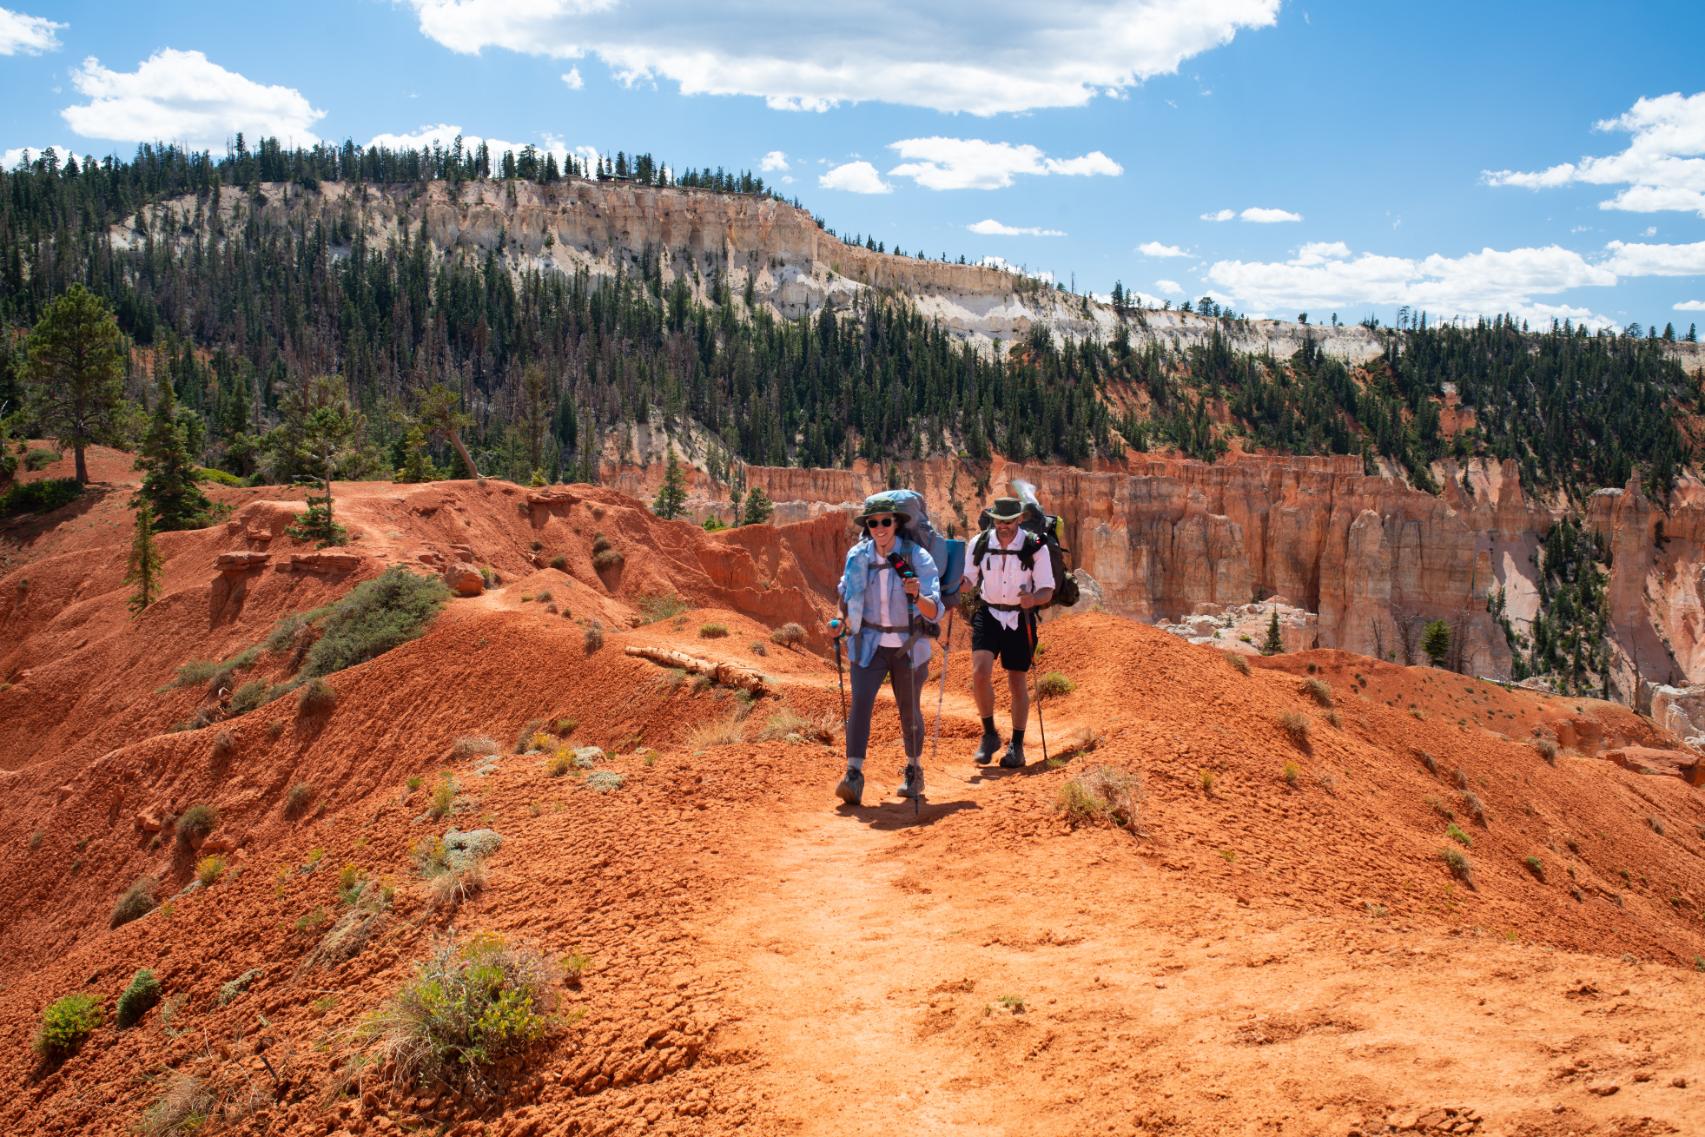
855	764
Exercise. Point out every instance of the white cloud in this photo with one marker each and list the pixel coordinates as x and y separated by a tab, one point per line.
182	96
571	78
854	177
775	161
1663	166
1255	214
9	159
29	35
1656	260
1691	306
996	57
1325	276
989	227
971	163
1156	249
1268	216
1170	287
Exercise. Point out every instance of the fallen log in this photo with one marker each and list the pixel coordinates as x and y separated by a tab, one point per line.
722	674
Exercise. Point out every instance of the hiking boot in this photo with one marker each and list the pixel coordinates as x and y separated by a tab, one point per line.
1013	759
913	786
986	749
851	787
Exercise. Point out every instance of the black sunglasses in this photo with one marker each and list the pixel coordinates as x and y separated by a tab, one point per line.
878	522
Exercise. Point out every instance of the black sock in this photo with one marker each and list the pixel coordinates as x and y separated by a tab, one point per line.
989	728
1017	737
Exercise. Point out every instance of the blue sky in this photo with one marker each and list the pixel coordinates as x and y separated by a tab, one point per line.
1541	158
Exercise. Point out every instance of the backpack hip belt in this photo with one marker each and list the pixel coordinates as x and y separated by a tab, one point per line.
1003	607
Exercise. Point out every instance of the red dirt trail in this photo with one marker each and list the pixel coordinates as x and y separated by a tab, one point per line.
1282	951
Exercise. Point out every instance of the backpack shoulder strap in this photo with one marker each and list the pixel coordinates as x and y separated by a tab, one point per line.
1027	550
980	549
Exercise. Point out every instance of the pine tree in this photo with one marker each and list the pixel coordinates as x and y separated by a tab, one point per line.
143	568
1275	643
439	415
1435	641
169	486
672	496
319	428
76	372
417	460
759	508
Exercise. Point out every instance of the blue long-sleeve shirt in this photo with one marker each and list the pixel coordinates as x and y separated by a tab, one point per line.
863	574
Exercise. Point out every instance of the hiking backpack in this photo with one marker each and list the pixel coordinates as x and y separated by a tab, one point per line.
1041	531
948	555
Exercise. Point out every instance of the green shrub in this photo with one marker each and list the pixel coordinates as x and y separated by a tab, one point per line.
1291	773
1103	795
560	563
37	459
255	693
65	1025
562	728
608	559
1054	684
376	616
1459	867
196	671
712	631
196	823
39	497
468	1008
788	635
1536	867
216	476
138	998
1455	833
137	901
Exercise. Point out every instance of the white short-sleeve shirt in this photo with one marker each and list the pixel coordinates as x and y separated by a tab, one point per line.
1006	577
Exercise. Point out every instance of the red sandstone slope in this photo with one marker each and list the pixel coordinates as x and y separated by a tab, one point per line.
1295	958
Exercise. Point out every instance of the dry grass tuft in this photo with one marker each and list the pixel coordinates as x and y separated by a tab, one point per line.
1318	690
729	731
1103	795
1295	726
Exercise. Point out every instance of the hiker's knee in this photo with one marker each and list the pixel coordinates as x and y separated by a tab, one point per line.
982	665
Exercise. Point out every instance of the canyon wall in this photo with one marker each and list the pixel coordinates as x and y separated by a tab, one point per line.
1374	558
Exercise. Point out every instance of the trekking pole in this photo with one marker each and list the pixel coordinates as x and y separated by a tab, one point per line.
1035	693
840	676
946	654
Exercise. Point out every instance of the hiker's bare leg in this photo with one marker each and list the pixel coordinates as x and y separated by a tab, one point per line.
983	682
1018	682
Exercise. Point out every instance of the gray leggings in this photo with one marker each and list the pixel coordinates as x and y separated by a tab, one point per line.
908	687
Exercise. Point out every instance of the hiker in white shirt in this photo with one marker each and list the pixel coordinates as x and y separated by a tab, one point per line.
1012	571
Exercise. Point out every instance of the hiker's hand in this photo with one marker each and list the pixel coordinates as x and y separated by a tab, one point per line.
912	587
1026	600
835	626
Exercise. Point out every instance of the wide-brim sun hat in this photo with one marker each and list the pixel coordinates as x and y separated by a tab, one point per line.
1006	509
883	503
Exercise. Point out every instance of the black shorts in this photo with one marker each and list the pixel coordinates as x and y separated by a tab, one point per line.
1011	646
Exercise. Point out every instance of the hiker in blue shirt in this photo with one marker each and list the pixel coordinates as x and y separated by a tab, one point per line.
884	603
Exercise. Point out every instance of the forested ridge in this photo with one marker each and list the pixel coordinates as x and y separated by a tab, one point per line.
242	316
